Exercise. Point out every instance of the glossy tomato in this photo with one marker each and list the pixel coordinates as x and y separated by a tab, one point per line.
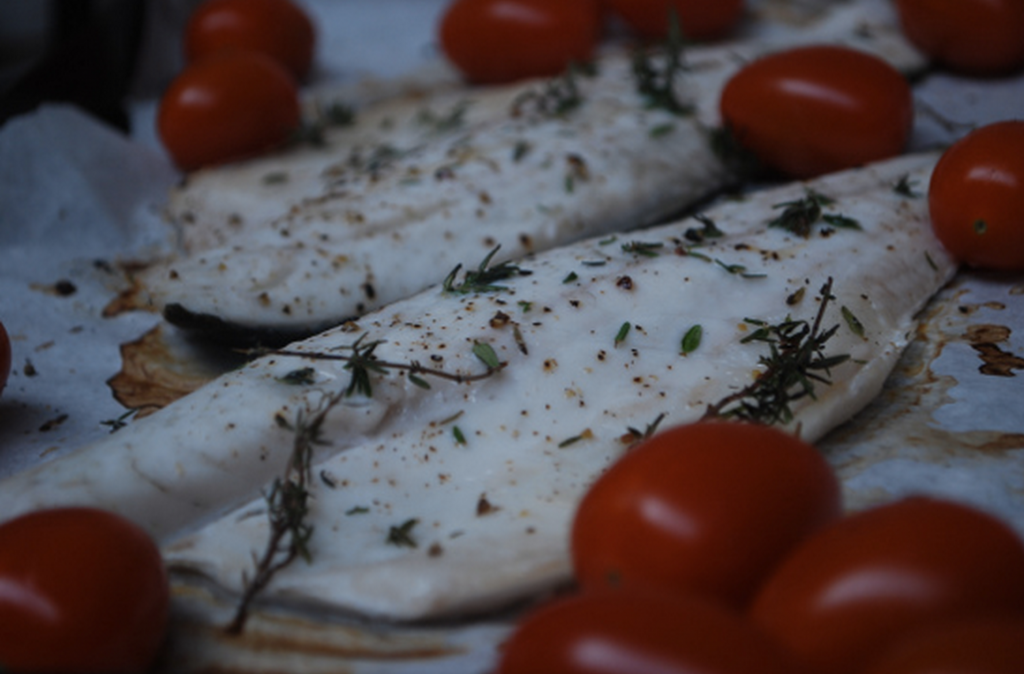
814	110
5	357
493	41
854	589
81	590
706	508
698	19
976	197
980	37
983	646
626	633
278	28
227	107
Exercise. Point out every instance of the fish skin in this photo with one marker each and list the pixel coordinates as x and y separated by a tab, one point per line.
190	474
320	248
575	382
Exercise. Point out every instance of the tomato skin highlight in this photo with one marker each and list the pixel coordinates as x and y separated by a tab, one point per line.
974	37
858	587
983	646
698	19
496	41
708	509
278	28
81	590
976	197
5	357
624	633
813	110
227	107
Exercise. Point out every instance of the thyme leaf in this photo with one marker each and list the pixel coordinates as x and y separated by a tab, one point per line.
557	97
691	339
483	278
708	230
623	332
905	186
796	362
401	535
647	249
655	77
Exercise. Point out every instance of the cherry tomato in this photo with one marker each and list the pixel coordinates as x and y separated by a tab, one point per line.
278	28
5	357
81	590
814	110
857	587
706	508
984	646
492	41
626	633
976	197
978	37
227	107
698	19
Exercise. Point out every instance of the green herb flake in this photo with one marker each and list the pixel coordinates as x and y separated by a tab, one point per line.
856	327
905	187
525	306
647	249
300	377
842	221
570	277
623	332
357	510
401	535
692	339
485	352
661	130
418	381
460	439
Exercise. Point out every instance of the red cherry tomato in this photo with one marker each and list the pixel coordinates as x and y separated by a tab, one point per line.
625	633
278	28
984	646
227	107
976	197
81	590
979	37
707	508
5	357
814	110
698	19
854	589
492	41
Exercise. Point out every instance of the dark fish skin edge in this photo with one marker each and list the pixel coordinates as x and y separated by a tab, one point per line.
219	331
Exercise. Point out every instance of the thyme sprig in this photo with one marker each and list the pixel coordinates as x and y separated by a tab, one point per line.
483	278
795	364
655	72
313	129
800	215
362	361
287	508
289	495
558	96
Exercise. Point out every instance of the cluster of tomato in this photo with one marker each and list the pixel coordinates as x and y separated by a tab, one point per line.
502	40
721	548
238	95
